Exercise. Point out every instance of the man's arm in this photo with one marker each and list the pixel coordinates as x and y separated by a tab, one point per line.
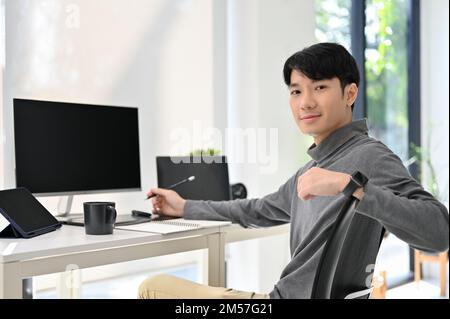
392	197
273	209
400	203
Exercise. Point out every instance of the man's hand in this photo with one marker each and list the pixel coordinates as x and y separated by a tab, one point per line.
167	202
321	182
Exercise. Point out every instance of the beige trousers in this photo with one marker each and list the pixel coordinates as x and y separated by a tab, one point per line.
171	287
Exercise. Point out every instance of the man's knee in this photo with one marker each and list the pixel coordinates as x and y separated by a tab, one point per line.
149	287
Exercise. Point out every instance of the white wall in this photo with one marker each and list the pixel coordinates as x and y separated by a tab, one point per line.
261	36
156	55
434	94
434	81
2	67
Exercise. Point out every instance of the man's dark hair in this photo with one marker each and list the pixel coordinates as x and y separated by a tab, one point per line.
323	61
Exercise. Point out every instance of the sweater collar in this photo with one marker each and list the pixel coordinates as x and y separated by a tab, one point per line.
336	139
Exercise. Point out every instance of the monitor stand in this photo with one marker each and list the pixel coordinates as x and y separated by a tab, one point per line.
64	205
65	217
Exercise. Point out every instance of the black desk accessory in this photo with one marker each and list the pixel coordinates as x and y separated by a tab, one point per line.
27	217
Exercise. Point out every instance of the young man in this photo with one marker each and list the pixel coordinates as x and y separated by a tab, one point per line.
323	85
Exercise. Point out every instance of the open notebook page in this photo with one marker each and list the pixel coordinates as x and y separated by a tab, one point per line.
173	225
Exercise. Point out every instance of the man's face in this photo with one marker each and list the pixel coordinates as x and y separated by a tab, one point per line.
320	107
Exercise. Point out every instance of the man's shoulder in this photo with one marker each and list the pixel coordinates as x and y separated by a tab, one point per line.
368	152
370	146
373	156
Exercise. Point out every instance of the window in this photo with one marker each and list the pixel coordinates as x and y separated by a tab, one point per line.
386	64
384	47
333	21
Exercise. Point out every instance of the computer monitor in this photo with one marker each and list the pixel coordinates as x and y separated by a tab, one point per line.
211	176
70	148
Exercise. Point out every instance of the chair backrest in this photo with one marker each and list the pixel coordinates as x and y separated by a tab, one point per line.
349	255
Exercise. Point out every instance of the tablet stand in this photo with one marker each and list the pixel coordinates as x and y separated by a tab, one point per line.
10	232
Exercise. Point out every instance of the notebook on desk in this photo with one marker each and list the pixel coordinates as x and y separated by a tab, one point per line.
175	225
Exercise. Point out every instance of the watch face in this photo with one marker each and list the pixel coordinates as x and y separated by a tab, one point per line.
359	178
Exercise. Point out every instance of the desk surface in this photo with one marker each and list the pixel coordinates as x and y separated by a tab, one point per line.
52	252
71	239
55	251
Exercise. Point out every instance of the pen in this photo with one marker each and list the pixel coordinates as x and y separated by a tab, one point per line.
189	179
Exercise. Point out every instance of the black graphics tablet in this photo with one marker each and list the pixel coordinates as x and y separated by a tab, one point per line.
26	215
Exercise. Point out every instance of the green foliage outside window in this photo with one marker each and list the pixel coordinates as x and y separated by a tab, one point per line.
386	72
333	21
422	157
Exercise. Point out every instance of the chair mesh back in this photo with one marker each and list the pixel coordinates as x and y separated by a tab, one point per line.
348	258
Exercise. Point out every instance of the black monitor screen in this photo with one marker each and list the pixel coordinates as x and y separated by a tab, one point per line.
211	176
75	148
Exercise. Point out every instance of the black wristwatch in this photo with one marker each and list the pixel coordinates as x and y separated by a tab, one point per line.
357	180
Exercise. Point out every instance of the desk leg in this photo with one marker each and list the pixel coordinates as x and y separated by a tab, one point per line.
68	285
27	288
10	281
216	260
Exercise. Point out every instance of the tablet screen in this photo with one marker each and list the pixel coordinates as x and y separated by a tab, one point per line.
24	210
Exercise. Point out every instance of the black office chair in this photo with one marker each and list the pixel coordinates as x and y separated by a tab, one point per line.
346	266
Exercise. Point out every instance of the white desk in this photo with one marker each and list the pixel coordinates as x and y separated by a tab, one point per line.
236	233
69	245
55	251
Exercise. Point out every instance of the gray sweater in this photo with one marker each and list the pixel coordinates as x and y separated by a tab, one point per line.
391	196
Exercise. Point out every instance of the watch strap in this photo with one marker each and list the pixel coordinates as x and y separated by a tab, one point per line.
357	180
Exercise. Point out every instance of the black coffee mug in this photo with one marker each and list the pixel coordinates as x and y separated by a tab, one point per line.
99	217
